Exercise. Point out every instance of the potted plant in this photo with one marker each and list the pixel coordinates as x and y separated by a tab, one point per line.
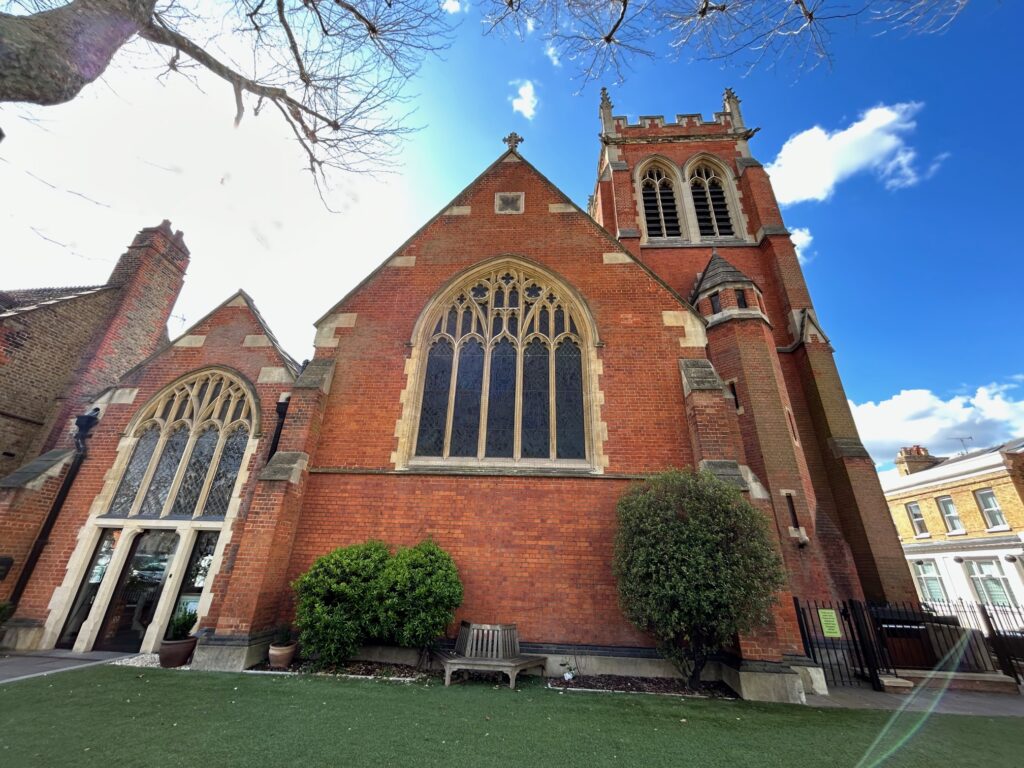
282	650
177	649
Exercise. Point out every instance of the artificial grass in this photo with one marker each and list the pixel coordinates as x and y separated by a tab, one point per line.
104	716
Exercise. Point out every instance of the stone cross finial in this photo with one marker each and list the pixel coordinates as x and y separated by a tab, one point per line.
513	140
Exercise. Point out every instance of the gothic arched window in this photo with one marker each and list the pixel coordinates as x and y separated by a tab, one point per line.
190	441
660	212
710	202
504	373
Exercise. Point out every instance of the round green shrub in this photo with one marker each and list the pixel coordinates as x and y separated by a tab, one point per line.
695	565
336	610
419	592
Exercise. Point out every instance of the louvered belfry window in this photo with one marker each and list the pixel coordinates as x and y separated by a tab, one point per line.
660	212
191	439
504	373
710	202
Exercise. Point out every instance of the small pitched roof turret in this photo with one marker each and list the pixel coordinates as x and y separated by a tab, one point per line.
718	272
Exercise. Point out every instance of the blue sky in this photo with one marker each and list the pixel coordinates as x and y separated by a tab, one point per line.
913	259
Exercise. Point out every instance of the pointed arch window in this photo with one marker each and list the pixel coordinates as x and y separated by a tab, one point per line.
710	202
190	442
661	215
504	374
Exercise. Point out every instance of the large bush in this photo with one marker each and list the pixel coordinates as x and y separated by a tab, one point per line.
336	609
361	594
419	592
695	565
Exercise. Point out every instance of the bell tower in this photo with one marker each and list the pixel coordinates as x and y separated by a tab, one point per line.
687	199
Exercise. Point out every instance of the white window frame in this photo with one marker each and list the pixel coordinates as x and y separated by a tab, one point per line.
922	579
978	580
915	520
948	516
997	523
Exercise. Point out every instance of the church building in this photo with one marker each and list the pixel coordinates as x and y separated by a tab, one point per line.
495	384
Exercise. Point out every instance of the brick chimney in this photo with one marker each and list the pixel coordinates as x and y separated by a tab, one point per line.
915	458
148	278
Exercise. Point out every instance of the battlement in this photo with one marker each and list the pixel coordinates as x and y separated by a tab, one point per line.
727	123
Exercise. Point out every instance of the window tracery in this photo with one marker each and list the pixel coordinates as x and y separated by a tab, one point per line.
504	373
191	439
710	202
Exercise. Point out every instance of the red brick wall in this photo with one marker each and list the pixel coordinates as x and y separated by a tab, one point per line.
225	331
22	511
536	551
148	278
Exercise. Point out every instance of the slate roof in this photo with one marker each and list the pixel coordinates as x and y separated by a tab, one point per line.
29	472
23	300
1011	446
717	272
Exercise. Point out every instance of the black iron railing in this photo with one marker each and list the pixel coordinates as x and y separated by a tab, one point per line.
855	642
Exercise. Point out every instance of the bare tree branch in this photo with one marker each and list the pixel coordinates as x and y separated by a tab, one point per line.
335	70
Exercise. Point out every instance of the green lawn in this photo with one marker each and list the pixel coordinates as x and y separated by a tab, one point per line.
122	716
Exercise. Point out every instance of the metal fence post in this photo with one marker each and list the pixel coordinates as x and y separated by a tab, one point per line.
1008	667
867	643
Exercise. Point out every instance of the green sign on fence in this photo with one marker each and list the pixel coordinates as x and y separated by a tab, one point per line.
829	622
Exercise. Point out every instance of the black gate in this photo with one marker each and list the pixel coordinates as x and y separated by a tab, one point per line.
838	636
855	643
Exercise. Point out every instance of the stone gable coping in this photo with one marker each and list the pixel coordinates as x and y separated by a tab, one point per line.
285	465
699	376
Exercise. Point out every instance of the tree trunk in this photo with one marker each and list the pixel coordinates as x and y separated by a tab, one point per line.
698	658
48	57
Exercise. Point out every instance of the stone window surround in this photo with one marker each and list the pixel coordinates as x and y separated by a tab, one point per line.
188	529
595	431
684	201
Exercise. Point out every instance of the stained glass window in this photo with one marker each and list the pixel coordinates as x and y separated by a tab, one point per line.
133	474
466	412
536	402
569	401
501	410
195	473
163	476
515	388
227	472
434	413
194	412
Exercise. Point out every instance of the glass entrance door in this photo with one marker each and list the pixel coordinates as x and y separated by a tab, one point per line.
90	586
138	592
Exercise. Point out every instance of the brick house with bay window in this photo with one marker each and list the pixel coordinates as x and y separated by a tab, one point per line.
495	384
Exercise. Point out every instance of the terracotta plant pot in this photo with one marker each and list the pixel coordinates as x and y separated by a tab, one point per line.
176	653
281	655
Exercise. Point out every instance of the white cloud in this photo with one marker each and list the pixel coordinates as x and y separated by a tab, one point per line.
530	26
451	6
991	415
552	55
802	239
812	162
256	225
526	102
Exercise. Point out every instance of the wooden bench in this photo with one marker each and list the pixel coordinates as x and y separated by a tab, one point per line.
488	648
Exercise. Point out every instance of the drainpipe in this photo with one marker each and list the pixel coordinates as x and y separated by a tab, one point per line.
282	412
